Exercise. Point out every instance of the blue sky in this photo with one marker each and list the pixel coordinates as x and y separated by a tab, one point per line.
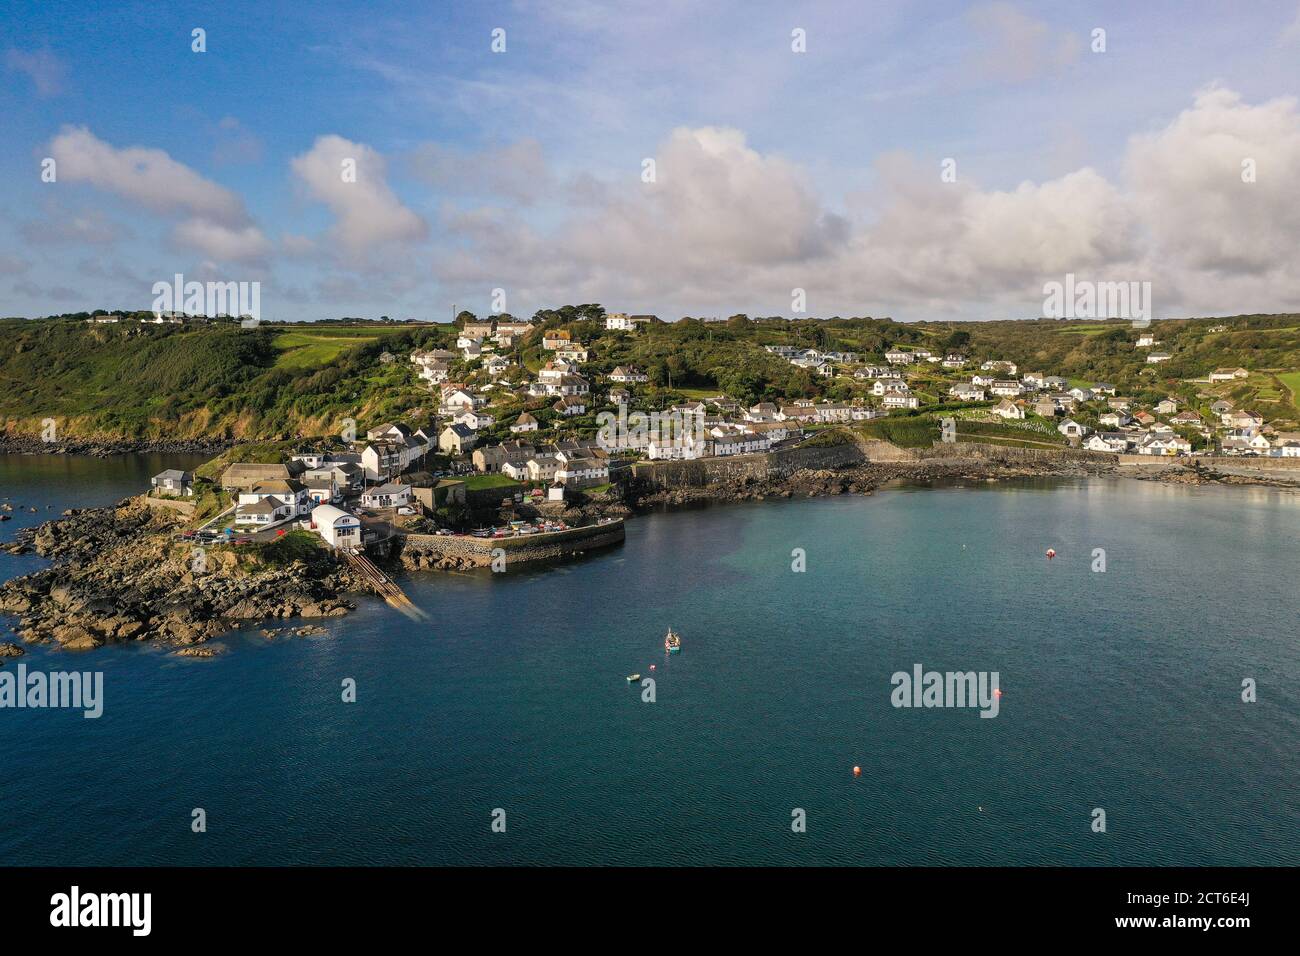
776	170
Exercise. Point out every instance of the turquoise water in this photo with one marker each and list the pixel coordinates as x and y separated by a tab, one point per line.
1121	690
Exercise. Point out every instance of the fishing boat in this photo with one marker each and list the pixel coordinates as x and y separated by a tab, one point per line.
633	678
673	642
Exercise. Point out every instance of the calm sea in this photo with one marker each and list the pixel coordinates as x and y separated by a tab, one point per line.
1121	691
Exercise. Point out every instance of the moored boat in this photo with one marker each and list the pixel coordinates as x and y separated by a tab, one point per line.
632	678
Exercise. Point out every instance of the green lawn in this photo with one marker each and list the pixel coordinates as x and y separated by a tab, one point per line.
476	482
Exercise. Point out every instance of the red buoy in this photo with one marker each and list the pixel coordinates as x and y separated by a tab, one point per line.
1051	553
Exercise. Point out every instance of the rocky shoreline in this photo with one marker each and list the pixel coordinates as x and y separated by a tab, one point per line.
106	448
118	575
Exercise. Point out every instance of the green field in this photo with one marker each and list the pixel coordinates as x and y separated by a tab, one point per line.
1292	382
304	350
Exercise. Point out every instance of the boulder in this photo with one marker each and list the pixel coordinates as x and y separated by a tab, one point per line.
75	637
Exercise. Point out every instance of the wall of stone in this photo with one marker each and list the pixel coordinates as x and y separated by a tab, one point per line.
778	464
1282	469
182	505
545	546
480	498
1221	462
1008	453
670	475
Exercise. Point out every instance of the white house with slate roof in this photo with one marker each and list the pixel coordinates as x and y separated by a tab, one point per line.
264	512
391	495
173	482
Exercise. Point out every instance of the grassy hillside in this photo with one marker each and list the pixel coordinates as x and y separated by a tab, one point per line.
276	382
216	380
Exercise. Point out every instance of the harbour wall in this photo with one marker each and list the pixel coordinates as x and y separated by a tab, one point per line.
1219	462
426	550
777	464
670	475
1008	454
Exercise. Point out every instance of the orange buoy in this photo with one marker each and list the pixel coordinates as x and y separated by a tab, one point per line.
857	771
1051	553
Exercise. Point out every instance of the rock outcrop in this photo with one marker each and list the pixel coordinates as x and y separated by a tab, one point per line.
119	574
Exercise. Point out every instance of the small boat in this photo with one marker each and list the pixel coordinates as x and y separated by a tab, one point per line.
633	678
673	642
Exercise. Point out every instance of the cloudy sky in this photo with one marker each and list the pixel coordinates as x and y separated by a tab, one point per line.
1171	155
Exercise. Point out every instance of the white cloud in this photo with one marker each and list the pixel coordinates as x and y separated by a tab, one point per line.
1188	182
215	220
940	244
143	175
729	227
367	211
221	242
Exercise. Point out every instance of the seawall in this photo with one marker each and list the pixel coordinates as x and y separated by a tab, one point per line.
671	475
446	551
777	464
1220	462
